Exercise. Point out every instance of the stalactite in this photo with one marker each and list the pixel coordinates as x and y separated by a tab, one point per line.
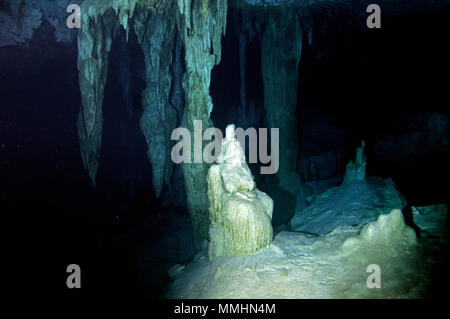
176	193
202	24
94	43
177	96
156	34
100	22
125	74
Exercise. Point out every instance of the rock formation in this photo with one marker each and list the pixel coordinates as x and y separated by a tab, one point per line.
156	35
387	229
432	221
356	170
356	203
299	265
200	26
240	213
281	52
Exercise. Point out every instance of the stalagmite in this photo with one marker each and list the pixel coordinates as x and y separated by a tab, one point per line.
356	170
240	213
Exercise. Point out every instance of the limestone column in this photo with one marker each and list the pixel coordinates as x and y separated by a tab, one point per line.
202	23
281	51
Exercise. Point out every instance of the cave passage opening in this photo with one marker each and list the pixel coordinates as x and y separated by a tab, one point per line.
366	84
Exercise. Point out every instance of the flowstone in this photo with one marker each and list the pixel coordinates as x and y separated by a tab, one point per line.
240	214
299	265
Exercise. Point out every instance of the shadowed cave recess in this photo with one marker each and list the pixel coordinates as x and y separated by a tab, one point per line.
87	177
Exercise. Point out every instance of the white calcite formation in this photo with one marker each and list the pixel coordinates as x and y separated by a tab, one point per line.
240	213
300	265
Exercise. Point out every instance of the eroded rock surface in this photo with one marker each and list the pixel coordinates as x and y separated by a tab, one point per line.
240	213
353	203
298	265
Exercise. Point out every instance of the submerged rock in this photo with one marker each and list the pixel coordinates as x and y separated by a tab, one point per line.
298	265
432	221
353	203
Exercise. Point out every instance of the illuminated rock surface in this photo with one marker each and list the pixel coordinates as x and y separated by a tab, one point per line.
298	265
353	203
240	213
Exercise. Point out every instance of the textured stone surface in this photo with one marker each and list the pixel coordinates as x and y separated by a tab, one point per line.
298	265
100	22
281	51
240	214
94	43
386	229
156	35
432	221
202	24
354	203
